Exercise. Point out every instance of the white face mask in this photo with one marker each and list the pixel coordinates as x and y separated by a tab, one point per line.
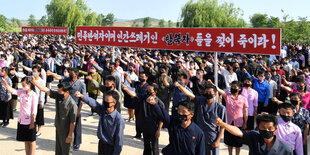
66	65
260	78
198	76
66	74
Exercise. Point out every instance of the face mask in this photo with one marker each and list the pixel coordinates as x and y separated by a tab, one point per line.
236	68
66	65
286	118
71	77
299	88
261	78
108	88
198	76
266	134
294	102
208	96
93	70
233	90
180	82
47	55
182	118
61	97
307	73
141	80
247	85
26	88
268	77
66	74
273	70
92	60
34	74
149	94
106	104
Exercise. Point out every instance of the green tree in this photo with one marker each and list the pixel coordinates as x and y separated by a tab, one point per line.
43	21
161	23
91	19
134	24
259	20
32	21
274	22
170	23
3	23
108	20
303	31
147	22
66	13
100	19
208	13
16	22
288	32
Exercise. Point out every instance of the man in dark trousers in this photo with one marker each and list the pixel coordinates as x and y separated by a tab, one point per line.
66	111
151	123
111	124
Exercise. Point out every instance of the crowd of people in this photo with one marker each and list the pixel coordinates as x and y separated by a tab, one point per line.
260	100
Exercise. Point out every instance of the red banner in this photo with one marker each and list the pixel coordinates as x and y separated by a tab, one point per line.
235	40
45	30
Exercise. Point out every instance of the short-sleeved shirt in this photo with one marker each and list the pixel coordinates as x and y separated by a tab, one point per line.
234	109
273	86
252	98
257	145
65	110
204	118
301	117
28	105
4	93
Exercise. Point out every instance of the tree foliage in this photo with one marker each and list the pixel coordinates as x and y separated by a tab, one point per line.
108	20
147	22
43	21
161	23
259	20
71	13
32	21
208	13
170	23
134	24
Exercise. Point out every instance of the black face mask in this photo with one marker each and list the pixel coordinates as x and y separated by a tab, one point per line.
233	90
235	69
61	97
108	88
106	104
71	77
141	80
208	96
272	70
247	85
182	118
294	102
149	94
286	118
266	134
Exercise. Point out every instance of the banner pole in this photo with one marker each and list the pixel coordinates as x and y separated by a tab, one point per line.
215	66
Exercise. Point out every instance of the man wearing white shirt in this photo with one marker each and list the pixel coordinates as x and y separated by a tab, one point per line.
229	76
